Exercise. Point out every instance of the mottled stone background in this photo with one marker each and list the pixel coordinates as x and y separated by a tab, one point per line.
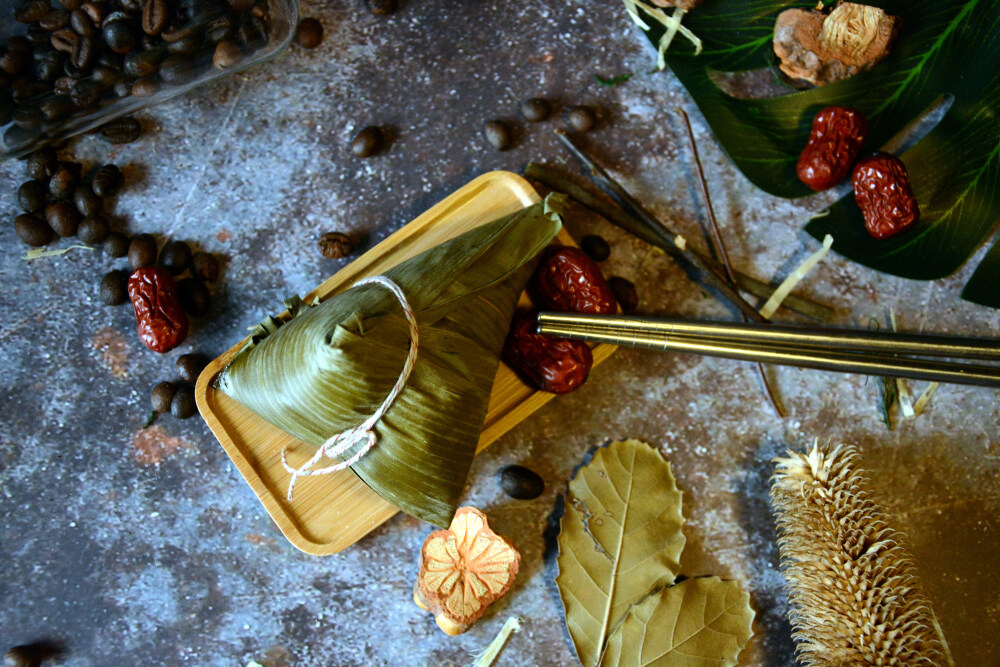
133	547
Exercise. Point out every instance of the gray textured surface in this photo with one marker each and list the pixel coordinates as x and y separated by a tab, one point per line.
131	547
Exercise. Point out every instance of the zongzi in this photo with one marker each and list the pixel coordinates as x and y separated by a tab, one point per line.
331	365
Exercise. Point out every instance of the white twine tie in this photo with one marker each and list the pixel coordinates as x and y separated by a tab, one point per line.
338	444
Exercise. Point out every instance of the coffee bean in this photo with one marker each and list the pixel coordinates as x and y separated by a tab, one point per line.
177	68
122	130
81	23
95	11
220	28
83	53
18	43
190	366
194	297
142	251
118	35
71	4
123	87
155	15
367	142
19	137
116	245
625	293
31	196
33	230
205	267
185	46
108	180
252	33
241	5
581	119
93	229
42	163
226	55
36	34
161	396
497	134
381	7
183	404
15	62
87	203
57	106
62	183
50	69
27	118
86	94
106	76
65	40
595	247
63	218
146	87
63	85
21	656
535	110
309	33
138	64
334	245
57	19
175	257
30	11
521	483
112	290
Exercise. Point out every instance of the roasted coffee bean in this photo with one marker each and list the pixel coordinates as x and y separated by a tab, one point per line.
73	167
83	53
116	245
71	5
15	62
194	297
309	33
161	396
93	229
64	40
146	87
36	34
185	46
183	31
142	251
581	119
143	63
520	483
122	130
63	85
535	110
57	106
81	24
220	28
21	656
381	7
625	293
334	245
29	93
86	94
63	218
105	75
595	247
33	230
108	180
112	289
27	118
367	142
18	43
42	163
183	404
227	55
177	68
252	33
118	35
497	134
241	6
96	12
30	11
205	267
57	19
63	183
190	366
131	6
155	15
51	68
6	106
175	257
123	87
87	203
19	137
31	196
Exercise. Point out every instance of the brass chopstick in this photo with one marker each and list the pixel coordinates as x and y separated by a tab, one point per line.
846	340
869	363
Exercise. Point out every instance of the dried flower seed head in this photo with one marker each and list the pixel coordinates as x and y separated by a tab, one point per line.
854	592
463	570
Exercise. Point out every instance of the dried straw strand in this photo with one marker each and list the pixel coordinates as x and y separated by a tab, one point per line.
855	597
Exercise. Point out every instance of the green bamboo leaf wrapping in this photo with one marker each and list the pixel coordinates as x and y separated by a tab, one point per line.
946	48
704	622
331	366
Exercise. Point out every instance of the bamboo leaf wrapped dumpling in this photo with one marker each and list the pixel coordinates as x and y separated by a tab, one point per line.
332	365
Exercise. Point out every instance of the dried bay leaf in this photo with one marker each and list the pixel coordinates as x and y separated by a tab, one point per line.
704	621
620	539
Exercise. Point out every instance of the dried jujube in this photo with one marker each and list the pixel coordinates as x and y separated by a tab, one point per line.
569	281
556	365
834	144
882	190
160	320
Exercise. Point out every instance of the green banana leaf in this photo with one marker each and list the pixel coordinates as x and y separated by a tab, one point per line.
331	366
946	48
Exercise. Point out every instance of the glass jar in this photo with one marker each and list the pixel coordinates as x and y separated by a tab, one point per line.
72	71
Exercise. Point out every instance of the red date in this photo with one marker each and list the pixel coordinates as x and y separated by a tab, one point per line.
556	365
834	143
882	190
569	281
159	318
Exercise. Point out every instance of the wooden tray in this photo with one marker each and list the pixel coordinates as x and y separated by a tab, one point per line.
331	512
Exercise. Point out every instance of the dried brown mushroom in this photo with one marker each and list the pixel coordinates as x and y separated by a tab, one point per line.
463	570
821	48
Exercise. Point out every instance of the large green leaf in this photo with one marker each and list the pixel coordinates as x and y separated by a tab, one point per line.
332	365
946	48
705	621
